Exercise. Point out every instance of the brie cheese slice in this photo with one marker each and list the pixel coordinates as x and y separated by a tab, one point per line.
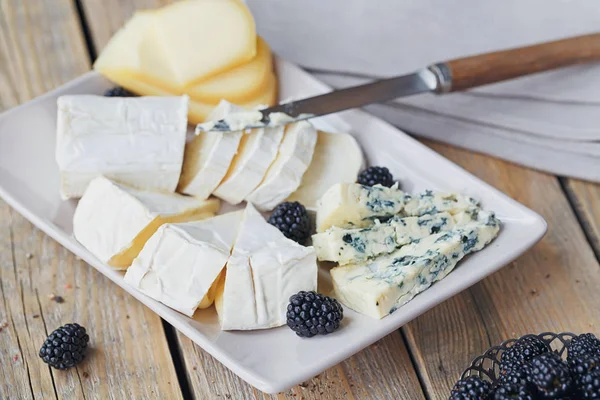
180	263
114	221
137	141
285	174
208	156
337	159
264	270
256	153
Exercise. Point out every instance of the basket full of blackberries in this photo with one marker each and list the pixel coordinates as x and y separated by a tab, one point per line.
545	366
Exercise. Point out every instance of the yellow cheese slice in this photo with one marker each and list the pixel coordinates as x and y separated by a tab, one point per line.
197	111
182	44
240	84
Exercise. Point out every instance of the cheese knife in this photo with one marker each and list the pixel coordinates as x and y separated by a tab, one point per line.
445	77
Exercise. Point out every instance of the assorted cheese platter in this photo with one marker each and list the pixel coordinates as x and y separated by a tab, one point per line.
230	236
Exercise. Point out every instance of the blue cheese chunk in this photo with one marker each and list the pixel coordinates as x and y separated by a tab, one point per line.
351	205
378	287
354	245
430	202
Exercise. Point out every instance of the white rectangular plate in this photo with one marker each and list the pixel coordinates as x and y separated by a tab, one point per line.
276	359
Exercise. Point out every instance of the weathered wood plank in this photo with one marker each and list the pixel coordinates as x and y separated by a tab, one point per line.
41	47
585	197
358	377
553	287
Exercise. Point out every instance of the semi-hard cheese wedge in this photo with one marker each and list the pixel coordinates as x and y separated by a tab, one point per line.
114	221
337	159
208	156
238	85
285	174
180	263
264	270
356	245
258	149
182	44
198	111
357	206
138	141
378	287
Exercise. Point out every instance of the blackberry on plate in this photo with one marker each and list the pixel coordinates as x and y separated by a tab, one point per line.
376	176
471	388
521	352
582	346
65	347
118	91
311	313
550	376
292	220
586	376
512	392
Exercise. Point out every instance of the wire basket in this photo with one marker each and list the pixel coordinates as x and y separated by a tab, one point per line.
487	366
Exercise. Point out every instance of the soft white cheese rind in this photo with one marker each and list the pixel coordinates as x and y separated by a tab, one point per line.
258	149
181	262
337	159
110	216
378	287
264	270
285	174
137	141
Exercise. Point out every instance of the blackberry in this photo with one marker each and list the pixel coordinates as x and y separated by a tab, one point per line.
311	313
550	376
586	376
292	220
376	176
521	352
582	346
471	388
512	392
65	347
516	375
118	91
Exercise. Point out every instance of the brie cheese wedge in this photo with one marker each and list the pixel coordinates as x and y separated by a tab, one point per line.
137	141
285	173
208	156
264	270
256	153
114	221
378	287
180	263
337	159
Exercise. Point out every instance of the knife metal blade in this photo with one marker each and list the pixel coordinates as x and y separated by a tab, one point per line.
424	80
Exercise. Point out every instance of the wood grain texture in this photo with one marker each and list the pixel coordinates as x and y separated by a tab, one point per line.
41	47
499	66
359	377
585	197
381	371
552	287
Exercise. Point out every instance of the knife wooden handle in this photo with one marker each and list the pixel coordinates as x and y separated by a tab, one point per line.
479	70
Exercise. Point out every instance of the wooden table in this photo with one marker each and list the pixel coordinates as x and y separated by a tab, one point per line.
136	355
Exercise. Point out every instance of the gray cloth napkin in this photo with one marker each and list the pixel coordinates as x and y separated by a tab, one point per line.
549	121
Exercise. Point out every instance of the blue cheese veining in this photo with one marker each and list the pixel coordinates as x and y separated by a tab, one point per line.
378	287
354	245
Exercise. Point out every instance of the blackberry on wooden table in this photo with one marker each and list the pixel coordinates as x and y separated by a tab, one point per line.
65	347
